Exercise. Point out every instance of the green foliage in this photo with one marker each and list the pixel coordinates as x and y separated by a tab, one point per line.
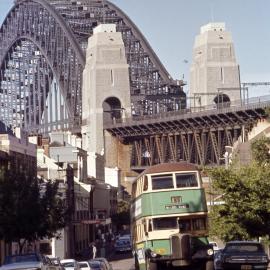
260	150
267	113
122	217
245	213
27	213
122	206
53	211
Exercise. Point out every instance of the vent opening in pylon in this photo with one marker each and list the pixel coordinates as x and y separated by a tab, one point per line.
112	109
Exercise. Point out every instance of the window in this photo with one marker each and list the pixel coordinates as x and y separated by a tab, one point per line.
165	223
162	181
134	188
186	180
184	225
150	225
244	247
145	183
199	224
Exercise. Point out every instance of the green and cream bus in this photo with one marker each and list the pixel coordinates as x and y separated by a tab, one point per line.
169	223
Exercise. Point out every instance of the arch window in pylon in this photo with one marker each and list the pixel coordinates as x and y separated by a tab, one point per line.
222	100
112	109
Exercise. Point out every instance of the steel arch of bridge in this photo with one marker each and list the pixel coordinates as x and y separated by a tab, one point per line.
42	52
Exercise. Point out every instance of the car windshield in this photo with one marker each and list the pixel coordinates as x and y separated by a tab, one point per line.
122	241
54	261
83	265
95	265
247	247
68	264
21	258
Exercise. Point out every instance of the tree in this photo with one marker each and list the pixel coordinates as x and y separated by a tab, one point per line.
122	217
245	213
260	150
26	213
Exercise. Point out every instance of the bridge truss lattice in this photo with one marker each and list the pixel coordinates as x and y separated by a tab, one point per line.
42	56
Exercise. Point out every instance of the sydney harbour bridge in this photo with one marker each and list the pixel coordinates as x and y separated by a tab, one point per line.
43	47
42	56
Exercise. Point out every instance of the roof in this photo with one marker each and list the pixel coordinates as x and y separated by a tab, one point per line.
67	260
171	167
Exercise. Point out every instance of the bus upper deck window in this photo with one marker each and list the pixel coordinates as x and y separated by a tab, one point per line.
164	181
145	183
186	180
134	189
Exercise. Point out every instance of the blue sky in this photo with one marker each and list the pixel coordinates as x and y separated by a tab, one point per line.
171	26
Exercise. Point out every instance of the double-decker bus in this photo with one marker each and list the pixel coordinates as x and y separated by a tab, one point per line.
169	223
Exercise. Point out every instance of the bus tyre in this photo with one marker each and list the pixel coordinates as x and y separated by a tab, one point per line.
151	265
137	266
209	265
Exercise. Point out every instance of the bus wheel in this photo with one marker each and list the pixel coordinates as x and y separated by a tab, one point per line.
137	266
151	265
209	265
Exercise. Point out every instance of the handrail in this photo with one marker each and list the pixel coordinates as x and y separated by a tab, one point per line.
237	105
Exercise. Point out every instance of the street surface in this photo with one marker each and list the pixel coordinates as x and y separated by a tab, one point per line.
122	261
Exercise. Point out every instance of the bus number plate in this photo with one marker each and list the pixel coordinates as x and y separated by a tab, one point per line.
176	199
246	267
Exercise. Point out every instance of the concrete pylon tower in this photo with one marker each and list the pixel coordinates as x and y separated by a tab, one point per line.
214	73
106	91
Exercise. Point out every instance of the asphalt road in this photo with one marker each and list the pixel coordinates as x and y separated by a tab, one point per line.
122	261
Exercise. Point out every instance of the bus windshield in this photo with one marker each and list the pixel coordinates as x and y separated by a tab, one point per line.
165	223
185	225
186	180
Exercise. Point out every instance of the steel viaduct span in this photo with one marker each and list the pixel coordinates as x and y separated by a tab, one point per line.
42	56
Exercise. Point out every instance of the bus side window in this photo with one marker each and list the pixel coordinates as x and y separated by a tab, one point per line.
145	183
150	226
145	227
134	189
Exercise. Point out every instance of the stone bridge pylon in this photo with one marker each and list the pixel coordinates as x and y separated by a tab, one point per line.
105	96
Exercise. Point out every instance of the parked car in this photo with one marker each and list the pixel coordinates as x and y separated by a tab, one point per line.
56	262
244	255
107	264
27	261
217	259
84	265
122	244
97	265
70	264
215	246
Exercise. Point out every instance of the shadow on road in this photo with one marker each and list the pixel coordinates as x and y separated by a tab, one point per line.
119	256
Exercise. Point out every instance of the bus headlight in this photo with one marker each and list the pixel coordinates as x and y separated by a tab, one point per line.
210	251
264	259
153	254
